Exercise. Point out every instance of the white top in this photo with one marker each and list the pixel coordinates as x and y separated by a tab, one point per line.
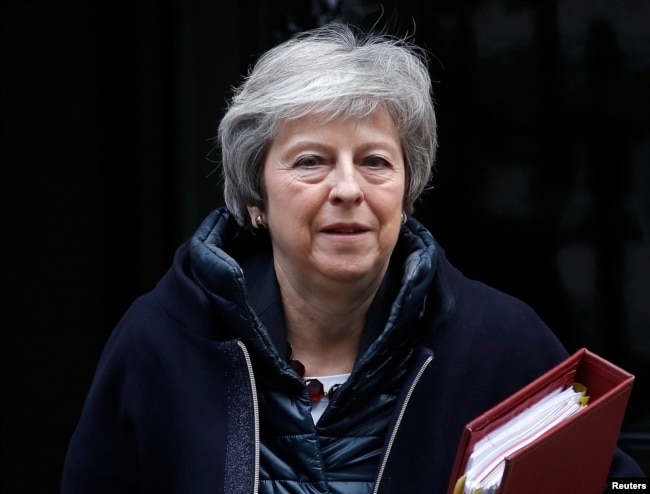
319	407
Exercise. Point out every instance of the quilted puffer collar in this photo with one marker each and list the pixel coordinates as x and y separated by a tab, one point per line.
221	253
217	251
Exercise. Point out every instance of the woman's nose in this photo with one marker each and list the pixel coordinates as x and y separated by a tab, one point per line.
346	185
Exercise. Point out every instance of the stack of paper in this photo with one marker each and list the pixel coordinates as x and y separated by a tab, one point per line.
486	463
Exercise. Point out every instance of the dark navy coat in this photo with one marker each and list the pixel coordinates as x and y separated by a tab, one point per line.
173	405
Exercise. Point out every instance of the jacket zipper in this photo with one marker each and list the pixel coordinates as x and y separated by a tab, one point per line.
399	421
256	415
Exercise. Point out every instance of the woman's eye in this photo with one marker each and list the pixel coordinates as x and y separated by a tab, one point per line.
308	161
375	162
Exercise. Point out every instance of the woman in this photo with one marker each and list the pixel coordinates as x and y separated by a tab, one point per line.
310	337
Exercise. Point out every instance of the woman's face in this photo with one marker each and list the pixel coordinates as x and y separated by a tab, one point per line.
334	198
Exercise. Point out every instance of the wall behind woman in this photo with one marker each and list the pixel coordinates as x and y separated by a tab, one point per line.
108	110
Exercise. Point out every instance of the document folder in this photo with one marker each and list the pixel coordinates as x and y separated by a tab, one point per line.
575	455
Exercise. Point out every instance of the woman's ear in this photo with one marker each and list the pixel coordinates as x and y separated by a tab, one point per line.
256	217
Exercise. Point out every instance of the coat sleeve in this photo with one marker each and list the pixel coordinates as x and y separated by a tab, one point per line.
102	454
498	344
623	466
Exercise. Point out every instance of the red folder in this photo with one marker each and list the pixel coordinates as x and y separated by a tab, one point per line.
575	455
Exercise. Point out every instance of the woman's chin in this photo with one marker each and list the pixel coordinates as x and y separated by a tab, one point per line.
351	272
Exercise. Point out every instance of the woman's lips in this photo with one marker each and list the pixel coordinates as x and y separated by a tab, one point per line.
345	228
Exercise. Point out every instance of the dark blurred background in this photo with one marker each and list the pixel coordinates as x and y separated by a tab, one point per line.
109	109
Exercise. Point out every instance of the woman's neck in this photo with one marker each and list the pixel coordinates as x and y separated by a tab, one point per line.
324	326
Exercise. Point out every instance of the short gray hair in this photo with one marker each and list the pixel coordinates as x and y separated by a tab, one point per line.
337	72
